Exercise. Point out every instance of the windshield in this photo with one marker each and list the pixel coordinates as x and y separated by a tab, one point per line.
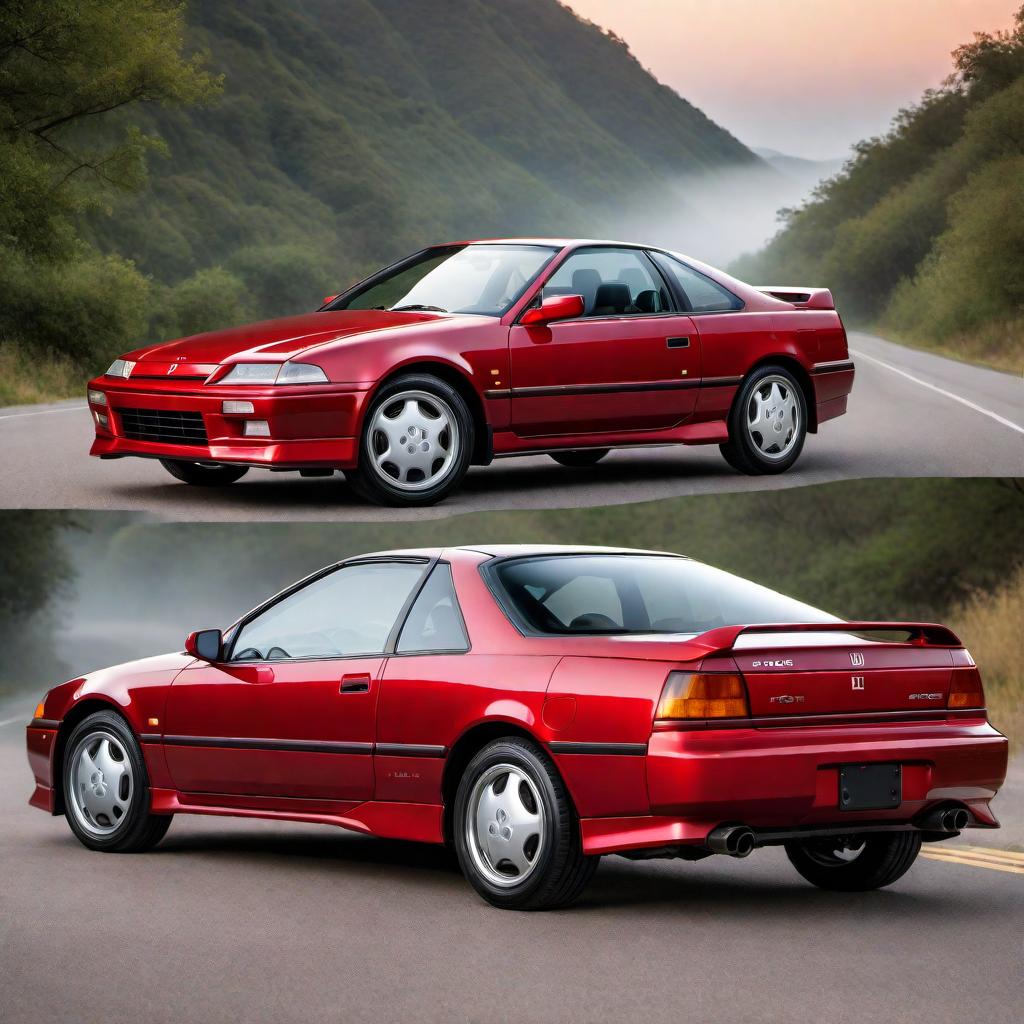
619	594
486	279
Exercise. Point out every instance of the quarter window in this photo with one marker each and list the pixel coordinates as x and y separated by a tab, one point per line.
350	611
701	293
435	622
613	282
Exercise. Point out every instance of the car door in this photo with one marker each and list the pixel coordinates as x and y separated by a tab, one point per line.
291	710
632	362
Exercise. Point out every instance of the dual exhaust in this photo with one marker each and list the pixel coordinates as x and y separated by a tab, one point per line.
740	840
946	819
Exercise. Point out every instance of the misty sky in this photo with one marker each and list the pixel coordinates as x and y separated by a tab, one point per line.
807	77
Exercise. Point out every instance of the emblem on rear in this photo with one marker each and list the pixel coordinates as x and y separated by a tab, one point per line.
773	663
925	696
172	367
856	682
788	698
856	660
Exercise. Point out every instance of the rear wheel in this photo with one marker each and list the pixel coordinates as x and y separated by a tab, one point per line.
581	459
203	474
855	863
517	835
767	423
106	788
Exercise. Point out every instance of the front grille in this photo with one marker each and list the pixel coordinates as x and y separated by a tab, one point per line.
163	426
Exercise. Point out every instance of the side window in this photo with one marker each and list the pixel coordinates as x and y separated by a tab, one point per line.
702	294
435	622
613	282
350	611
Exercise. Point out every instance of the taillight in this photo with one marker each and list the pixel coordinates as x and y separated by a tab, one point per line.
703	695
965	689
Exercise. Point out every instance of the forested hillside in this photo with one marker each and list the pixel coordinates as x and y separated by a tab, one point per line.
292	144
923	231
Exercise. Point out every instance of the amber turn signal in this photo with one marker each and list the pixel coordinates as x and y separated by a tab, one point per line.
40	710
965	689
703	695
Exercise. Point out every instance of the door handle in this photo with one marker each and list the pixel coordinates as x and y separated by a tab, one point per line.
677	342
355	683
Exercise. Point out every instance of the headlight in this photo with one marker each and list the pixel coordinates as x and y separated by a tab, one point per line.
97	397
121	368
274	373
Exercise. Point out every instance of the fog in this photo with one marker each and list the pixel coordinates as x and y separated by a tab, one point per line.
719	216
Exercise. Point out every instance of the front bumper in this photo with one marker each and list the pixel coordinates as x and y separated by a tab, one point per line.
783	779
315	426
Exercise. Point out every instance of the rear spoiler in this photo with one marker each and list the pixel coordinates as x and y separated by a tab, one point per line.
802	298
921	634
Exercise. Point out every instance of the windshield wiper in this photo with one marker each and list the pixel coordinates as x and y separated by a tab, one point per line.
419	308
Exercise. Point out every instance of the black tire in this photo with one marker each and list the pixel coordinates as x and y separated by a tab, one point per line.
203	474
137	830
561	871
740	451
581	459
372	485
884	858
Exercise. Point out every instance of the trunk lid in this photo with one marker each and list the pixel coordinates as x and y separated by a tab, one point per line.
825	670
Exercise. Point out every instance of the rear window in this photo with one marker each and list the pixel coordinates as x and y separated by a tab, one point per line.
622	594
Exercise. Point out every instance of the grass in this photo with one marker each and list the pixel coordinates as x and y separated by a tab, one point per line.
26	378
997	346
990	626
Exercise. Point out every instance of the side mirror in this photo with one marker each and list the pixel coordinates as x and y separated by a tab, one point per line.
329	298
207	644
554	307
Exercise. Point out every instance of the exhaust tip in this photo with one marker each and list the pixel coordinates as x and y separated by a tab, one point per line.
956	820
732	840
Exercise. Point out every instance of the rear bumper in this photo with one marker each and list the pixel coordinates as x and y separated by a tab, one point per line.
833	383
785	779
311	426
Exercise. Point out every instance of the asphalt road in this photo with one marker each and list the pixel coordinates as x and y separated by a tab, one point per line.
259	921
911	414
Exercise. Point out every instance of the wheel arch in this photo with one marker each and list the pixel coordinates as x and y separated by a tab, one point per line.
803	378
90	705
464	749
456	378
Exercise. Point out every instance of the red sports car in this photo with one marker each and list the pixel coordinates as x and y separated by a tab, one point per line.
537	708
467	352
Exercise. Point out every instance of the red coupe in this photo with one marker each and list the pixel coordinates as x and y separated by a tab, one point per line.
536	708
467	352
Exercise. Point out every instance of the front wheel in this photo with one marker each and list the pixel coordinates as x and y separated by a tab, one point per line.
416	444
203	474
767	423
855	863
582	459
106	788
517	835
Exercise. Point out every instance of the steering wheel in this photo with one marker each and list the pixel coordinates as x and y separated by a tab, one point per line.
593	620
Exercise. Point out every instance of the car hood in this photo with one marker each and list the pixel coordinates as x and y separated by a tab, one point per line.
280	339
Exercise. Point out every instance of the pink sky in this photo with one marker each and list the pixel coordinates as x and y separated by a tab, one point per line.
808	77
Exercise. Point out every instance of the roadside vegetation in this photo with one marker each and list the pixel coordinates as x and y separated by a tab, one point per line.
922	233
991	625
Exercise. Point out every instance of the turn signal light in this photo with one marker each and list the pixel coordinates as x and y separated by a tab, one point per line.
703	695
965	689
40	710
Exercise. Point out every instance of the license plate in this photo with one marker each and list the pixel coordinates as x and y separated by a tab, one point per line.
870	787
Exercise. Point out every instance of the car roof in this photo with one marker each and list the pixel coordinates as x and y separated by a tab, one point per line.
559	242
512	551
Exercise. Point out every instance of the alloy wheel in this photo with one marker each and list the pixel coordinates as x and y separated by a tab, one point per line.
100	783
414	440
773	417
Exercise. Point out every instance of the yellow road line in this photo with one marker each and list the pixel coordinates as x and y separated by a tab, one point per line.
1010	854
974	861
977	854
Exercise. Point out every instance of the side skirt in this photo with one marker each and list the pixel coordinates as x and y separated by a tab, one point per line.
420	823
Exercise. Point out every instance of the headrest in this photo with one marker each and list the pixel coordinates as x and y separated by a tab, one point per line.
612	295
